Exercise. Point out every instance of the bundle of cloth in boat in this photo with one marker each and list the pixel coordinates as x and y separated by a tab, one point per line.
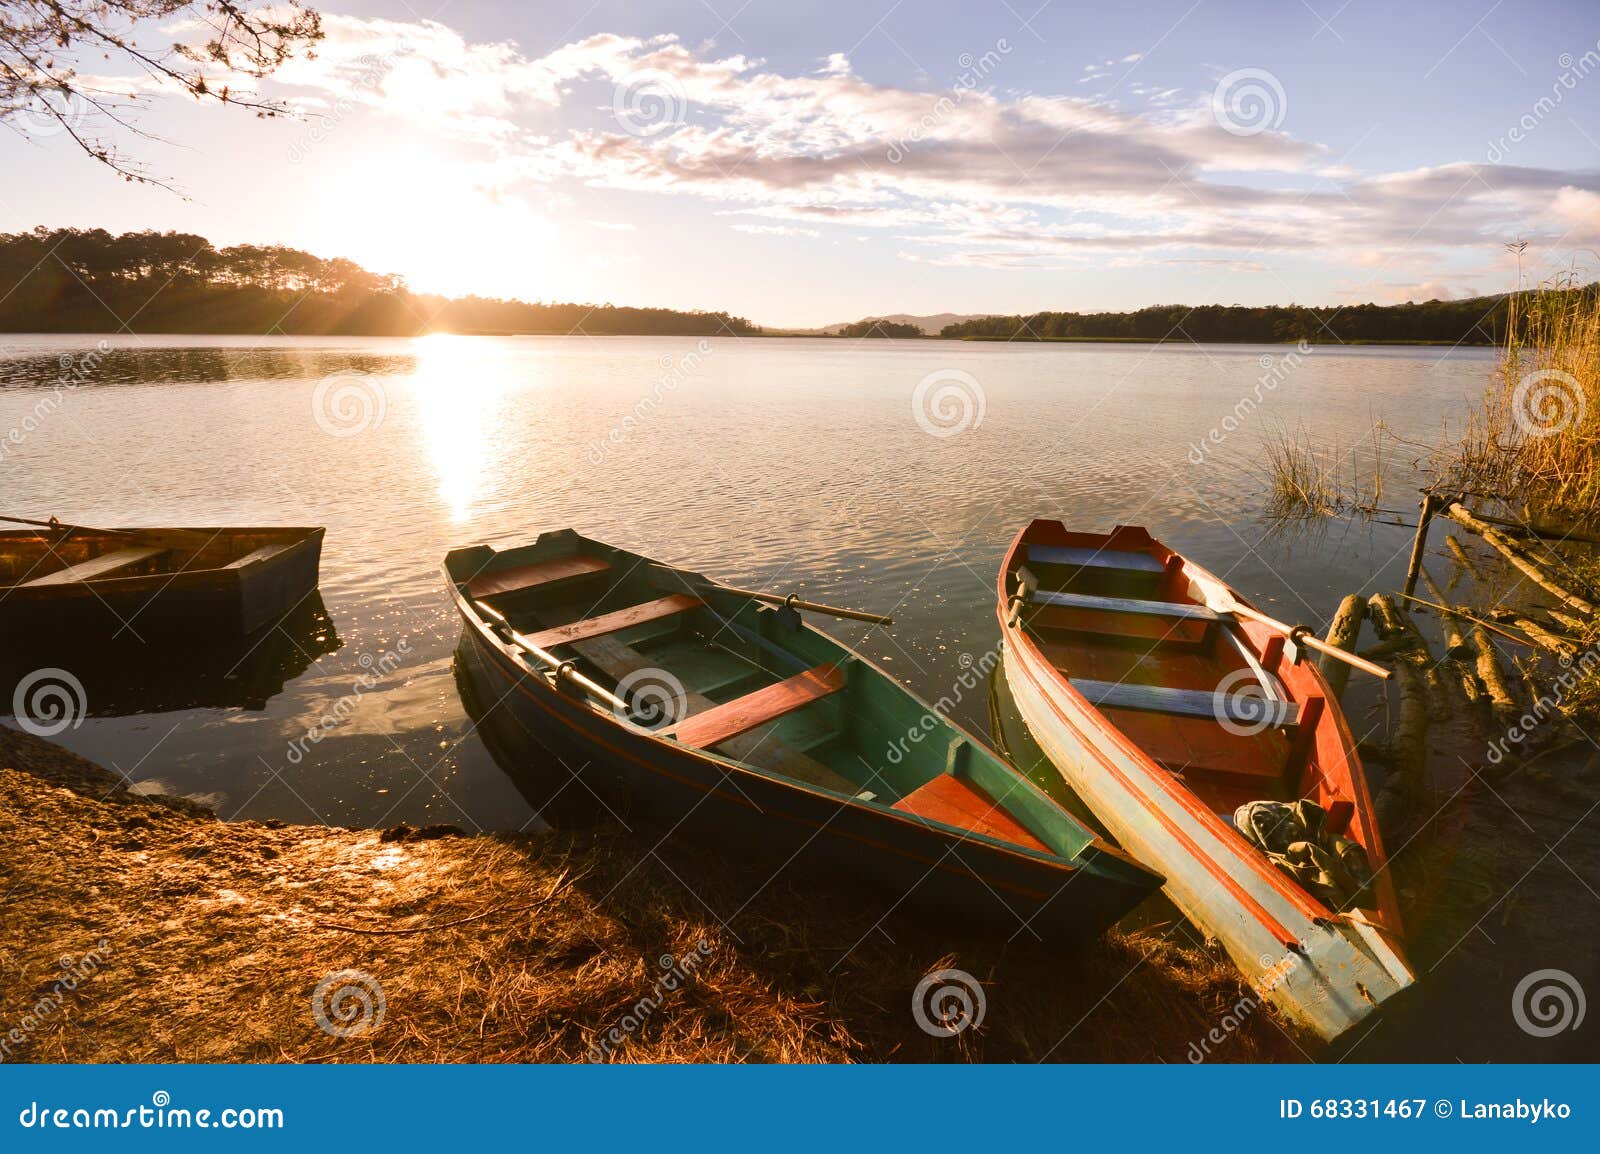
1296	837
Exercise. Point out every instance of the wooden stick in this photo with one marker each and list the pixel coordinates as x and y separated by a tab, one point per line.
1344	633
1542	637
1227	603
1419	544
1536	573
1462	613
1394	624
63	527
774	598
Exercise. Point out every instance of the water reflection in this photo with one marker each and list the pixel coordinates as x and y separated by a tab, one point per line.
459	385
130	677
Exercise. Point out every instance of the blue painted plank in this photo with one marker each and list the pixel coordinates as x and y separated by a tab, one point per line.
1095	558
1124	605
1240	709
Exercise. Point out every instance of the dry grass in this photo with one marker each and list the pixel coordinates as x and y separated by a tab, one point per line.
509	948
1535	441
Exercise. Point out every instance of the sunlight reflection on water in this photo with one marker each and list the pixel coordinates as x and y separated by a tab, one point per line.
773	463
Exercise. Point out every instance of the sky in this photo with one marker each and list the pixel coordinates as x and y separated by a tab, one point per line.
808	163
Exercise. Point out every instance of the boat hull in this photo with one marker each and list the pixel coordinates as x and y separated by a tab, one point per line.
804	832
196	604
1324	973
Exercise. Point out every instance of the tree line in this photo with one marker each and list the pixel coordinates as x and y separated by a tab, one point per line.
88	280
1477	321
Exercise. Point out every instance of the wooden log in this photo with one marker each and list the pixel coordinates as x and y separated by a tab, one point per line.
1394	624
1540	635
1526	564
1343	633
1501	700
1419	544
1463	558
1570	621
1465	679
1408	745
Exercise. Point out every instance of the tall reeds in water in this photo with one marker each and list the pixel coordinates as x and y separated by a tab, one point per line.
1535	441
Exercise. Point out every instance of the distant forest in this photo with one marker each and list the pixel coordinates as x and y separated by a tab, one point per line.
71	280
1478	321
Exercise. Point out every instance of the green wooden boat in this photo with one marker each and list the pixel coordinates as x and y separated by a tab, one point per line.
723	717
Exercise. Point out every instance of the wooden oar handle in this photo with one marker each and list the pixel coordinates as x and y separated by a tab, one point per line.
1313	641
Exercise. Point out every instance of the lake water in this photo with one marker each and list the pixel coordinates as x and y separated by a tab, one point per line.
885	476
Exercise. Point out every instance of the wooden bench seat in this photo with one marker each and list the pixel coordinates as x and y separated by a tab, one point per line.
264	553
95	568
955	801
538	573
1245	711
615	622
717	724
1124	605
755	747
1084	558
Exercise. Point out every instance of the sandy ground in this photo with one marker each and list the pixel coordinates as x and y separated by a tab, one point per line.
143	929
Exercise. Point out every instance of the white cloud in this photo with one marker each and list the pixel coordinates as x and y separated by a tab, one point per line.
967	176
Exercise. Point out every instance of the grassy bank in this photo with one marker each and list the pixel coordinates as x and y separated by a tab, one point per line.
186	938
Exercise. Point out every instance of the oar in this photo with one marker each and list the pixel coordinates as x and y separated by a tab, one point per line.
1223	601
790	601
63	527
559	667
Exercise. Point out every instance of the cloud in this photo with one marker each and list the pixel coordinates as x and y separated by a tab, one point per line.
964	176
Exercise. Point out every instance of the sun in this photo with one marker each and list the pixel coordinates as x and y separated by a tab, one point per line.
440	223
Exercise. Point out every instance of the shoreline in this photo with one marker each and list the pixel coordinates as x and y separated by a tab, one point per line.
143	928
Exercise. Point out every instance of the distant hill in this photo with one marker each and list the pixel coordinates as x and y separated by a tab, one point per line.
932	325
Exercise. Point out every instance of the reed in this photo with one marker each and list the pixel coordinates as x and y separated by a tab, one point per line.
1534	442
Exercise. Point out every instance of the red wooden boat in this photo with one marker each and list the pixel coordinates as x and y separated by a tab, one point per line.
1168	714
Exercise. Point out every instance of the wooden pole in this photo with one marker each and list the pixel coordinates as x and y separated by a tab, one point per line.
1420	544
1462	558
1226	603
1344	633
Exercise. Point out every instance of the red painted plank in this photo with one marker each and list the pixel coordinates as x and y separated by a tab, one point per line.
617	621
720	722
959	803
538	573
